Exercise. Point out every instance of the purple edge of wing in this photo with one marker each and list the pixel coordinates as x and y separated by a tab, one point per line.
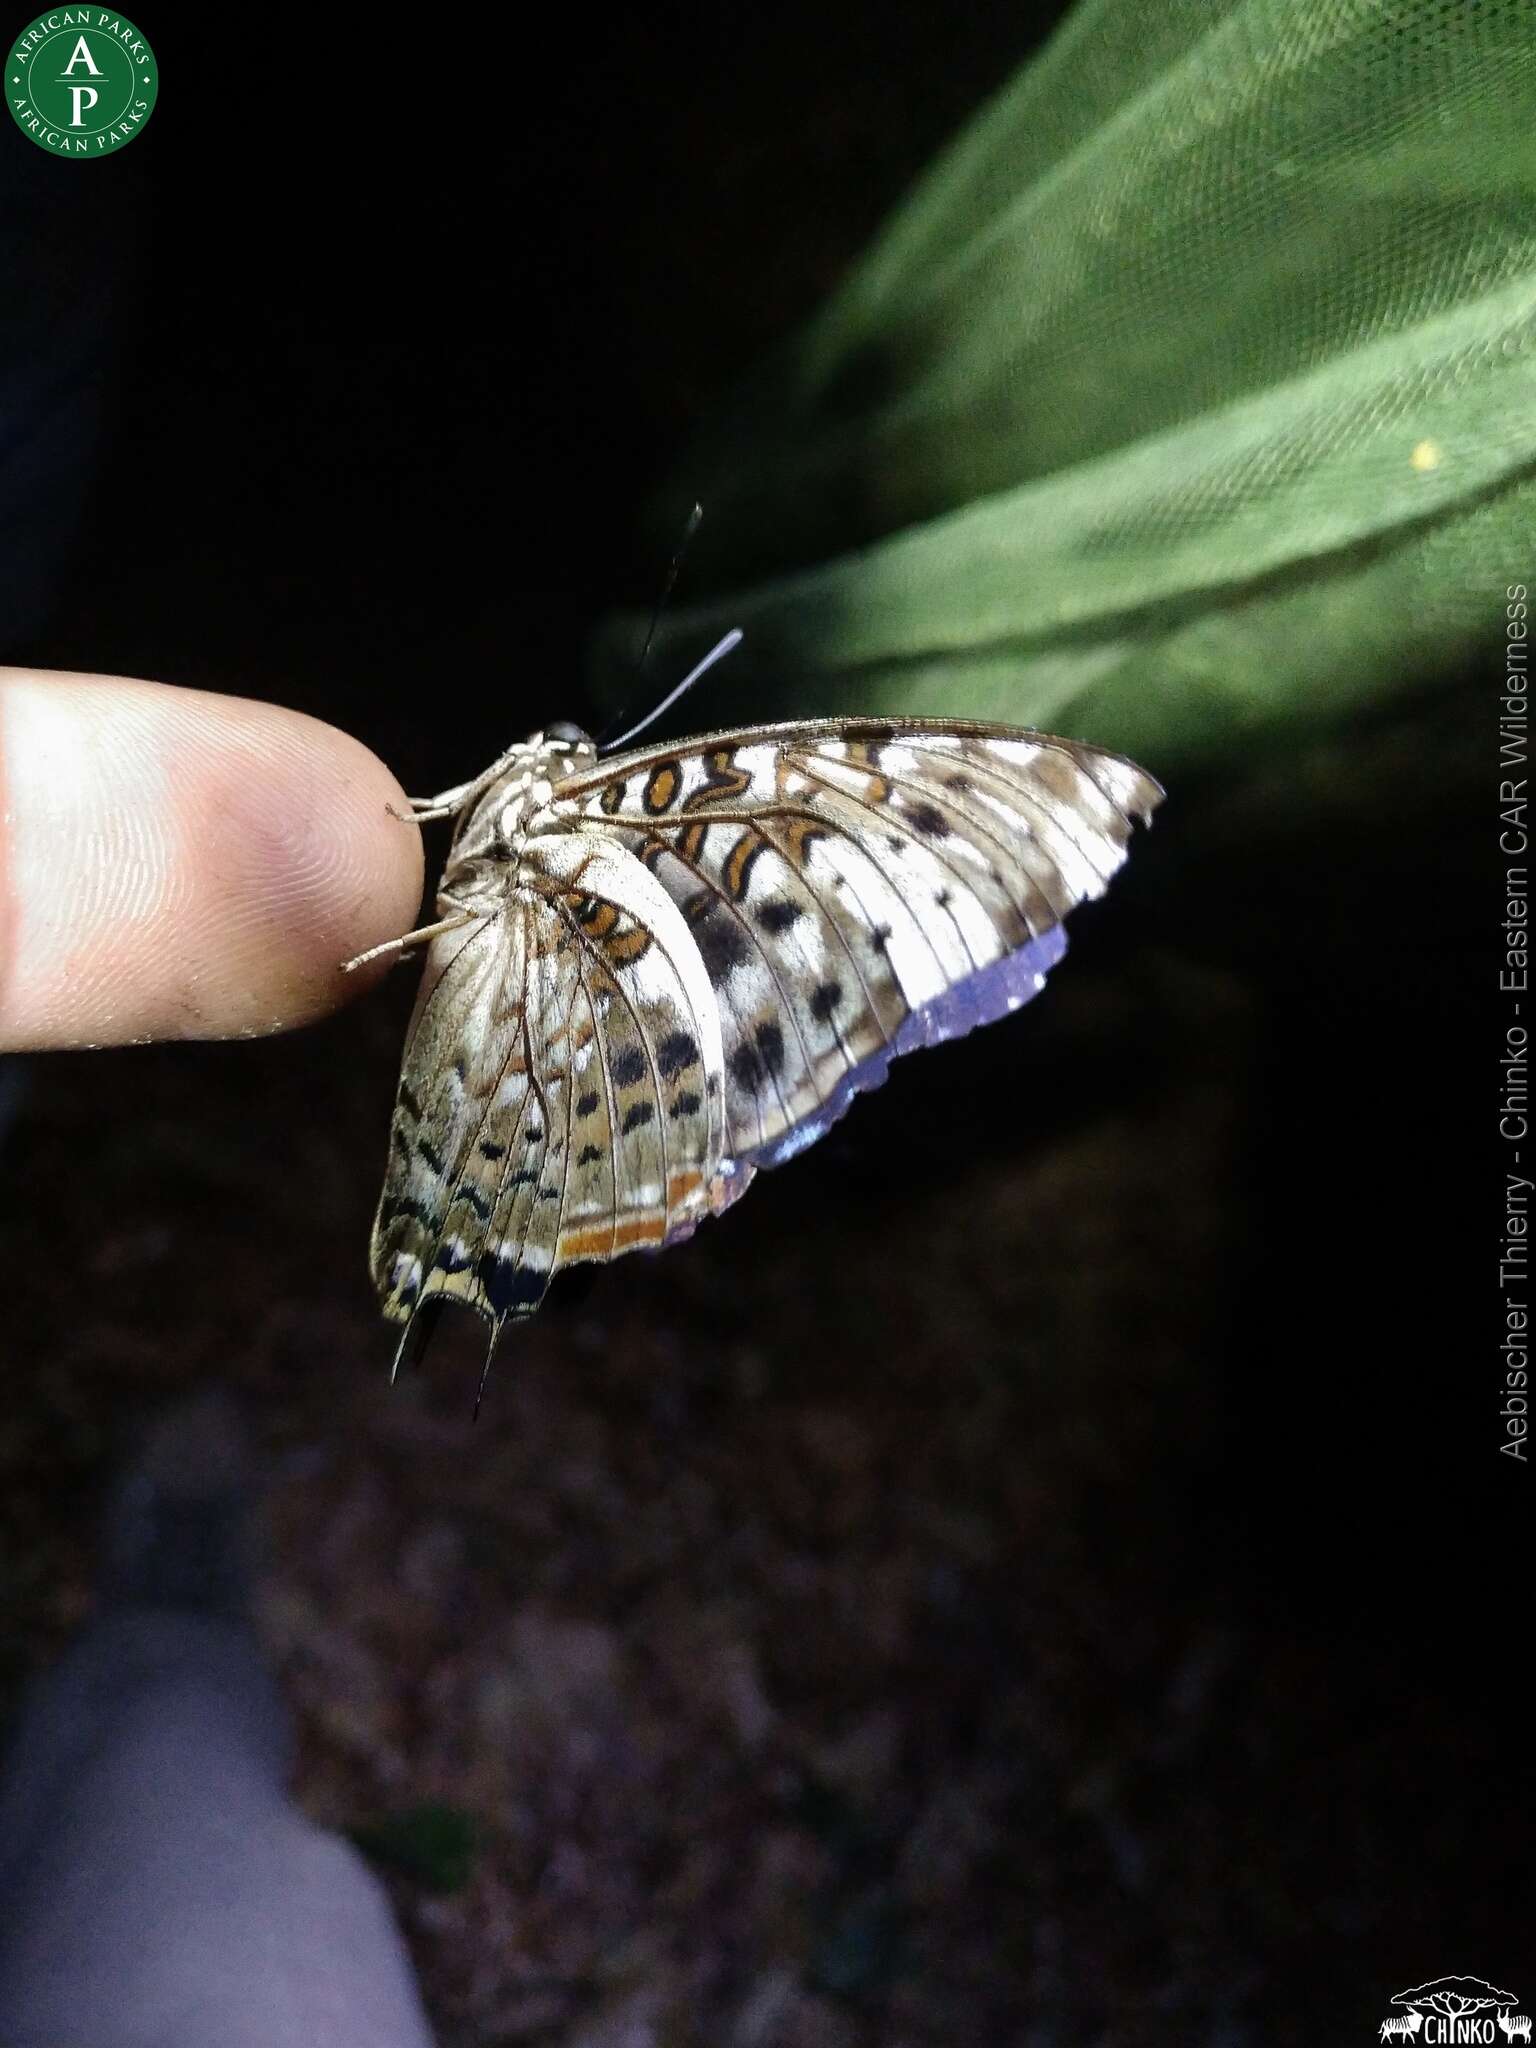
981	998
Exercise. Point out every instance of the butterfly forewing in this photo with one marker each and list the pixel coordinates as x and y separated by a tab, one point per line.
683	963
852	888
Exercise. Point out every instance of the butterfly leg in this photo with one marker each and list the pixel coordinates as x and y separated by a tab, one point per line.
462	914
424	809
449	802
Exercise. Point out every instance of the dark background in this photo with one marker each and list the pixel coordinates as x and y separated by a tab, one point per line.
1039	1577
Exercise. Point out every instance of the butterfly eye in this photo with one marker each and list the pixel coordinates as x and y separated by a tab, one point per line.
564	734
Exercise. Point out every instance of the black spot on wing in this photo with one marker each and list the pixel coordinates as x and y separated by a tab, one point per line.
479	1201
588	1154
686	1105
509	1288
777	915
758	1057
586	1104
637	1114
825	999
676	1051
721	942
929	820
409	1103
432	1156
450	1261
488	1150
629	1066
747	1068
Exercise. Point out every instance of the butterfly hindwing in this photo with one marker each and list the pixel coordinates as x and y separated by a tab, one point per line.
634	1034
463	1049
562	1090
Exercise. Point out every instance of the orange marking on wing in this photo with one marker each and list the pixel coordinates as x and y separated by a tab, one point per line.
738	863
628	947
661	788
724	783
598	1242
798	836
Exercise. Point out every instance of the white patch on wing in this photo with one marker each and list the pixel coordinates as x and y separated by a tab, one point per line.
1018	753
982	939
914	961
600	869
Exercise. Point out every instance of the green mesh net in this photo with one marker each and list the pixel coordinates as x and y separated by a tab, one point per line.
1191	394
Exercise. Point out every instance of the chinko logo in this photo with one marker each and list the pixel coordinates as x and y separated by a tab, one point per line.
1456	2009
81	81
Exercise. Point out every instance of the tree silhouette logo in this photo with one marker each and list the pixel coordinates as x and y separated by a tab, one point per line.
1456	2010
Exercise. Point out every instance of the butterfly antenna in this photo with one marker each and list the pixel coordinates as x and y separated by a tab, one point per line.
717	653
658	611
690	528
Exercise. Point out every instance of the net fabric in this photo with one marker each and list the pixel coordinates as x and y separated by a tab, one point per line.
1192	392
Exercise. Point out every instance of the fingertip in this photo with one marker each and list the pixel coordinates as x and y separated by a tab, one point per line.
312	870
186	865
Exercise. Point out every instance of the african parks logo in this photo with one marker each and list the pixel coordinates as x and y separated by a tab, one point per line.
80	81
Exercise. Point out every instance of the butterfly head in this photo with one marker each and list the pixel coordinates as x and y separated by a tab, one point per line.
521	787
550	756
572	747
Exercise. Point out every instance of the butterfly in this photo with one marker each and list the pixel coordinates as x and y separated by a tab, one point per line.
654	973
